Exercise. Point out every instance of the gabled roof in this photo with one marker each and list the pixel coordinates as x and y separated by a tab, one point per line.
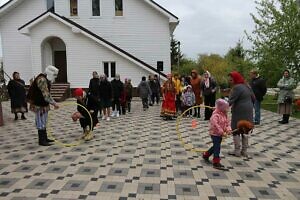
171	16
8	5
78	28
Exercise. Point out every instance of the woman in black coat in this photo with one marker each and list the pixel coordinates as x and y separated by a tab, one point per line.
17	94
208	87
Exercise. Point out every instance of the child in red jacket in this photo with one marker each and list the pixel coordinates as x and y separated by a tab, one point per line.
219	127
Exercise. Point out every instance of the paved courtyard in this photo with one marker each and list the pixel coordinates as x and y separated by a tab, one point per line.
139	156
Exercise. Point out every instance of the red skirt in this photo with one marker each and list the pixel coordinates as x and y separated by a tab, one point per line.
168	107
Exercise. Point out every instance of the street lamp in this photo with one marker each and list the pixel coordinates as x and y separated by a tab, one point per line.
178	55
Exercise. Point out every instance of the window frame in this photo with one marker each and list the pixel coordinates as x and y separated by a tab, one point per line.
72	9
92	13
121	11
110	69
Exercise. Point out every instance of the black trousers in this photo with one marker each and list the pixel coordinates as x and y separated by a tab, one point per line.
116	105
209	100
155	96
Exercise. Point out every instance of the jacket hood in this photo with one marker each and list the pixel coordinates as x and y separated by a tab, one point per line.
222	105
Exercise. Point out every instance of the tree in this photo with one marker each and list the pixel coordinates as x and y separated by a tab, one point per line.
175	52
237	59
218	67
276	38
186	66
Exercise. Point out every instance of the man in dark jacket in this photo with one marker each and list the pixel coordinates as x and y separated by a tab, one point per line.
117	88
144	91
155	89
259	88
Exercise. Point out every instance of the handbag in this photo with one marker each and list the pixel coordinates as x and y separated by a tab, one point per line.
287	99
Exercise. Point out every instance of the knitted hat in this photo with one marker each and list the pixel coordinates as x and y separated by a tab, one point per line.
222	105
78	92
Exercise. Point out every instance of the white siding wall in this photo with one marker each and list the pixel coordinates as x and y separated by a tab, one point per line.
142	30
80	62
16	47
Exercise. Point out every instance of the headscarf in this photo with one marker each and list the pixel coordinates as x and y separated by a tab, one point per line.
78	92
51	72
237	77
206	80
196	73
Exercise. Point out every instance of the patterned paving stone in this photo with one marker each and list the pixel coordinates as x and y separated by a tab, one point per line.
225	191
39	184
7	182
264	193
75	185
186	190
111	187
148	188
139	156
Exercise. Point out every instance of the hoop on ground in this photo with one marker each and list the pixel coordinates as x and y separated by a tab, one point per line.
189	146
50	130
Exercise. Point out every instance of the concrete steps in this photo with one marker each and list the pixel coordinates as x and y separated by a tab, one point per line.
60	91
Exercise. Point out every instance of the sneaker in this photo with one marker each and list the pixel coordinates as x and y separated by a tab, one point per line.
117	115
108	119
218	166
103	117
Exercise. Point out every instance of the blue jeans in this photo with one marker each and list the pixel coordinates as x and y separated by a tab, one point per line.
257	111
41	117
216	148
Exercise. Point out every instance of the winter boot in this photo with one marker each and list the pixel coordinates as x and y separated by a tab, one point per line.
195	112
23	116
198	112
205	156
129	107
47	139
244	145
217	164
237	146
285	119
42	138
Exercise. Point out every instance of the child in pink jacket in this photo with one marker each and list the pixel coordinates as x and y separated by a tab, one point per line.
219	127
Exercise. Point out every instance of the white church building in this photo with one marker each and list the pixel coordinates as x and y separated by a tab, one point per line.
126	37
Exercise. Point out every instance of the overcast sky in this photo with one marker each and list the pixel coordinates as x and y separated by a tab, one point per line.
209	26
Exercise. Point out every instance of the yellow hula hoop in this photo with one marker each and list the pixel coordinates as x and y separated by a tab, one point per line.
186	145
49	129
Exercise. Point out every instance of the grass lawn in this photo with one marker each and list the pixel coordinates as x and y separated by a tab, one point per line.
270	103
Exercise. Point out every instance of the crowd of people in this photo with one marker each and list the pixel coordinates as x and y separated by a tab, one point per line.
105	99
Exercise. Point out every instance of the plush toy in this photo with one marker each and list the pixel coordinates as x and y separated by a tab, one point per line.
244	127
